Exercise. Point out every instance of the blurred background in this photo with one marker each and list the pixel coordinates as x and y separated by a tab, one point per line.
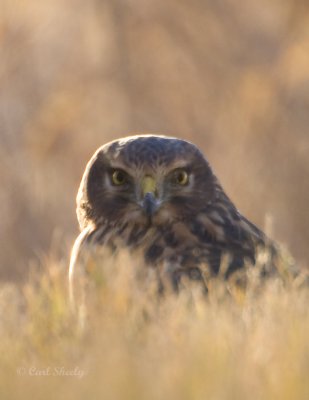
231	76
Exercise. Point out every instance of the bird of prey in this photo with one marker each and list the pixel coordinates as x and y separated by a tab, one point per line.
158	198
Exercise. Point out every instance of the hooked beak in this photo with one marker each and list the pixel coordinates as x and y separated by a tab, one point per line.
150	202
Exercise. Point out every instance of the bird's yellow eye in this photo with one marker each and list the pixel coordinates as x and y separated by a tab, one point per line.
118	177
181	177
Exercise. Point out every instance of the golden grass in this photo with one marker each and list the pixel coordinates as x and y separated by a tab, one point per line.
136	345
230	76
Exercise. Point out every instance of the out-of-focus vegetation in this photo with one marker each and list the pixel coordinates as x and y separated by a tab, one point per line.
138	346
231	76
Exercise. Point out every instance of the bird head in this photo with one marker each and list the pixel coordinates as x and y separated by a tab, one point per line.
144	179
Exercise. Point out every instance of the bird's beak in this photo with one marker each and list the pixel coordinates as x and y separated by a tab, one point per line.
150	202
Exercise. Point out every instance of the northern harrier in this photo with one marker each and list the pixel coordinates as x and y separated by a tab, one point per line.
158	197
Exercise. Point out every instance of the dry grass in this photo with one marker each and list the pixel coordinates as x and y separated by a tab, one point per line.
231	76
136	345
